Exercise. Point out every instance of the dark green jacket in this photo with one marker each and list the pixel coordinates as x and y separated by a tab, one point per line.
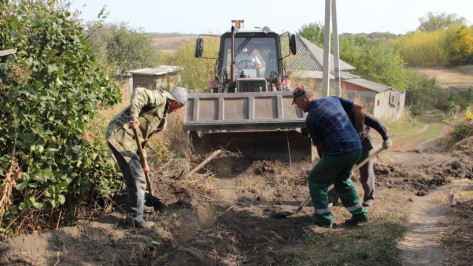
150	106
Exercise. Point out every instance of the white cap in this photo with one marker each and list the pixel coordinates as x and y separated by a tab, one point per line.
177	94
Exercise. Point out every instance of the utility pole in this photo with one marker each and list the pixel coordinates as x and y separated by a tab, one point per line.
331	10
326	66
336	53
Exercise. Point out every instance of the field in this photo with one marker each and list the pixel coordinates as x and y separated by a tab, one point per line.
451	78
170	44
224	213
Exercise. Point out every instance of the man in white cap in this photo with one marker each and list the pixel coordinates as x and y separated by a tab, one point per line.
146	113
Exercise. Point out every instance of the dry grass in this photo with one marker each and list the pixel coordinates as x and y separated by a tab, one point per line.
458	236
458	77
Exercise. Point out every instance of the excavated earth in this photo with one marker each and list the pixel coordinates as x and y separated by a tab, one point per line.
223	215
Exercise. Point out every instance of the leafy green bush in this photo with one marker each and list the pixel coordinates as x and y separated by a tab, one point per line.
462	125
421	93
49	90
375	60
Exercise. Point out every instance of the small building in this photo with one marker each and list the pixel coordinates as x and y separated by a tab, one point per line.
378	99
154	78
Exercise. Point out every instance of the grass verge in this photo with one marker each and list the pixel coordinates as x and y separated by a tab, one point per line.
374	243
414	131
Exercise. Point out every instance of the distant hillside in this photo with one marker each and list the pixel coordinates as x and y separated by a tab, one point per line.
170	42
374	35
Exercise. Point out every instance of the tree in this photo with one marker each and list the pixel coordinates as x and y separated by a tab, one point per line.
130	49
424	48
195	74
121	47
313	32
461	46
49	90
432	22
377	61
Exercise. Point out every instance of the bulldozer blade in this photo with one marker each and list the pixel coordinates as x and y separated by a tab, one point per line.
276	145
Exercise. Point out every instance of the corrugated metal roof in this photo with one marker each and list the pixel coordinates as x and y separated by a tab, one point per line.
156	71
311	57
309	74
368	84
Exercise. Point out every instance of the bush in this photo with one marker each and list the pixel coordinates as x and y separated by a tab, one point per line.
375	60
49	92
421	93
462	125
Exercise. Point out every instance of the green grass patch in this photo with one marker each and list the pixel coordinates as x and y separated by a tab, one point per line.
413	131
373	244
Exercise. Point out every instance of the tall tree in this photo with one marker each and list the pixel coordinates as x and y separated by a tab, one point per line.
313	32
129	49
433	22
461	46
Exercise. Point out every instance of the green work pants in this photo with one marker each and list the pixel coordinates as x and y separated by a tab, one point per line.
336	170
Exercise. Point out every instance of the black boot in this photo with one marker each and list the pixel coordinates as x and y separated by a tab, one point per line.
356	219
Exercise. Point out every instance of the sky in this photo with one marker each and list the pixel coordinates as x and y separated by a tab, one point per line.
214	16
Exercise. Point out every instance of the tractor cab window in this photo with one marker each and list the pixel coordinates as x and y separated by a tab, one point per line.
254	57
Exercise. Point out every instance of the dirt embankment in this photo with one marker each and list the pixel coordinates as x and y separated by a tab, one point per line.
223	216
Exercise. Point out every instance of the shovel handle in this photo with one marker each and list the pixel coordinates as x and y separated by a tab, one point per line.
144	163
358	166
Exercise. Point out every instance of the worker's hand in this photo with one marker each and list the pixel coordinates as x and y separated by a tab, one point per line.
387	143
362	136
134	123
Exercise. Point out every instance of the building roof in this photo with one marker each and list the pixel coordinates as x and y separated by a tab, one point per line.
311	57
310	74
156	71
356	80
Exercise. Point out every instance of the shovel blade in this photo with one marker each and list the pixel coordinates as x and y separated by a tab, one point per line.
282	214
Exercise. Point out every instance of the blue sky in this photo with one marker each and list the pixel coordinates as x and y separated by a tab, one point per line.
214	16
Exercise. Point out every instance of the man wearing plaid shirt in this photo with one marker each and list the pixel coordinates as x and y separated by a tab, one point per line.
339	147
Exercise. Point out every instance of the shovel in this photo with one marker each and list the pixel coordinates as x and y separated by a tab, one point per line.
294	211
152	199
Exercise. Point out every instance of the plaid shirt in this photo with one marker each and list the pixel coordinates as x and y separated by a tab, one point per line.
328	123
